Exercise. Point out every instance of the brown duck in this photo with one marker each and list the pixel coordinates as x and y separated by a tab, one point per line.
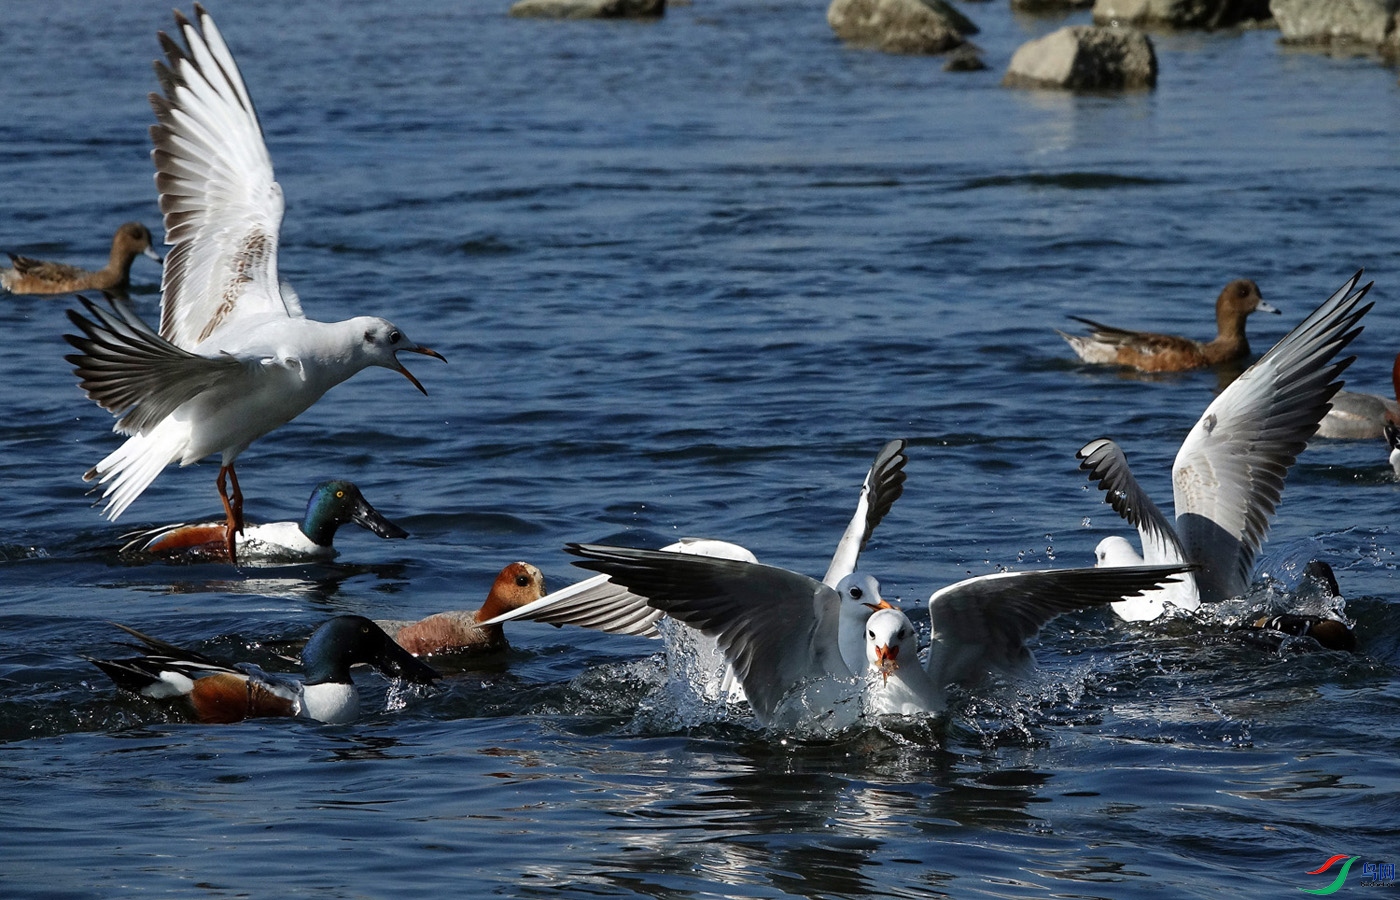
1149	352
37	276
454	632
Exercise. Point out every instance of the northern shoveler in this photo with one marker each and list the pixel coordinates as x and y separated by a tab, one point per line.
220	693
332	504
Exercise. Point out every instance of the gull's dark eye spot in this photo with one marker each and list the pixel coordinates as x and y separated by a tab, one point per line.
870	634
369	336
394	337
857	593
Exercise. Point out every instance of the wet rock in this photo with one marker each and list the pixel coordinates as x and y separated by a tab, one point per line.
588	9
966	58
1049	6
1365	23
899	26
1085	58
1180	13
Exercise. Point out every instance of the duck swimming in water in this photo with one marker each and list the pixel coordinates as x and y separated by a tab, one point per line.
38	276
221	693
465	630
332	504
1150	352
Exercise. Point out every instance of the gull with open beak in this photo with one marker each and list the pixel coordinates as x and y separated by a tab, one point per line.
235	356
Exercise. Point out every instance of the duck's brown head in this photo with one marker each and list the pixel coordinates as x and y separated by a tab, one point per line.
518	584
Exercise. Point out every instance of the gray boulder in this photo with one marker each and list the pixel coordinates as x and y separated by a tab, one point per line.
588	9
1369	23
1180	13
1085	58
1049	6
899	26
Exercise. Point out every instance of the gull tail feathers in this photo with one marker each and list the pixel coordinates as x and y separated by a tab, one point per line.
127	471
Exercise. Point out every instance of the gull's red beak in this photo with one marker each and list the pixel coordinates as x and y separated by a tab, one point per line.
886	656
409	375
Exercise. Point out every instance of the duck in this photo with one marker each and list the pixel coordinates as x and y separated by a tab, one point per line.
236	356
602	605
1229	473
466	630
782	632
1358	417
219	693
1392	440
38	276
1150	352
1318	593
331	505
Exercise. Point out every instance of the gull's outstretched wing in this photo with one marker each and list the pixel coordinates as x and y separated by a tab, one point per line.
1108	468
222	206
1229	473
982	624
132	372
884	484
777	628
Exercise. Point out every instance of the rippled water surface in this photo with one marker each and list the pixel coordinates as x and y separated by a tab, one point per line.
690	276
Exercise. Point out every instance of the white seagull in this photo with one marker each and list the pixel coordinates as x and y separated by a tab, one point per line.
235	356
600	604
1229	473
782	631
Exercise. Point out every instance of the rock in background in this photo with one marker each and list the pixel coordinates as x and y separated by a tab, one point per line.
1049	6
589	9
899	26
1369	24
1085	58
1180	13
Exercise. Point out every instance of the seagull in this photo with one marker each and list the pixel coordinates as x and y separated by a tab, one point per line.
235	356
222	693
782	631
1229	473
600	604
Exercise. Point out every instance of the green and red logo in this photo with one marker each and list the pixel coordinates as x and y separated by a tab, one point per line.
1371	874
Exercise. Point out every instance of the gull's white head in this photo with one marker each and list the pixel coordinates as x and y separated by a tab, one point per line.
860	596
379	341
860	591
890	641
1115	551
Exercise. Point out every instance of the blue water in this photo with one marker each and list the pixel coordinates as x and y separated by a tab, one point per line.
690	276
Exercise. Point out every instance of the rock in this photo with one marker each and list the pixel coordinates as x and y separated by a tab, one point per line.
1036	7
966	58
1085	58
1180	13
588	9
1370	23
899	26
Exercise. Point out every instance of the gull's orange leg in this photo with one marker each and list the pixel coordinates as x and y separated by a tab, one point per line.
233	509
